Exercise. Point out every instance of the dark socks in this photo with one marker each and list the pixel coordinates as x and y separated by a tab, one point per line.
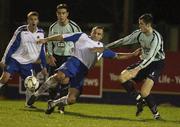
151	104
129	87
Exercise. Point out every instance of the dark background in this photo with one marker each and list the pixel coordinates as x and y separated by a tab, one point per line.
97	10
118	16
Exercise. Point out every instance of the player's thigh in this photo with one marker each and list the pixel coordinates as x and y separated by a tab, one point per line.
146	87
73	92
5	77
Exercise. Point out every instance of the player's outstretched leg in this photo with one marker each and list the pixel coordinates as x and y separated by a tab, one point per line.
59	102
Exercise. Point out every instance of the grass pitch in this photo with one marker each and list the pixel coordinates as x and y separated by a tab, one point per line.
14	114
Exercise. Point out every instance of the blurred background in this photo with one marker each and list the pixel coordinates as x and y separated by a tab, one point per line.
119	17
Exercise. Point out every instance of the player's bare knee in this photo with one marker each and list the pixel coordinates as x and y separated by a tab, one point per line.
65	81
71	99
60	76
4	79
122	78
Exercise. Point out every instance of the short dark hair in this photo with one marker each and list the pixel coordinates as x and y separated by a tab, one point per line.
62	6
32	13
147	18
98	27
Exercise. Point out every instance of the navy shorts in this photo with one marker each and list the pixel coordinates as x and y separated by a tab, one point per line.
152	71
76	70
14	66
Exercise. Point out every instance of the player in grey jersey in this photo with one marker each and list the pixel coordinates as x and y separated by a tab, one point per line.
60	51
146	70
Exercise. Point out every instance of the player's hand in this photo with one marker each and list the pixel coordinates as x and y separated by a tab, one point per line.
44	71
52	60
42	41
137	52
2	65
97	49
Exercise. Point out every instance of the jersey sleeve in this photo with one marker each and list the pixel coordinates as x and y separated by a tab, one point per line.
50	44
130	39
109	54
74	27
42	56
155	46
73	37
12	46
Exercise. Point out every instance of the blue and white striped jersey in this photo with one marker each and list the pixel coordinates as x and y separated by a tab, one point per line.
83	44
23	47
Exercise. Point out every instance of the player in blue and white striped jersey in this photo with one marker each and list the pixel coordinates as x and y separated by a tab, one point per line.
75	69
150	66
23	50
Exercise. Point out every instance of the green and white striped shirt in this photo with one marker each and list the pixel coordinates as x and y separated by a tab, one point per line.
62	48
152	46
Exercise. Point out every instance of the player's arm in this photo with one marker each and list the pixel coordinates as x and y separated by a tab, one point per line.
73	37
120	56
50	44
111	54
57	37
12	46
42	57
130	39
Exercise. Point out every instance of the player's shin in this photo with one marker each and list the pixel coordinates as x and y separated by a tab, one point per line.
50	82
151	104
61	101
129	87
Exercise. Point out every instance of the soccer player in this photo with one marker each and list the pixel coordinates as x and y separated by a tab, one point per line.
22	51
60	51
150	66
74	70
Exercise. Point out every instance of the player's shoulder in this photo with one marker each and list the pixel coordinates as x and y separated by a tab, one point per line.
22	28
75	25
137	31
156	32
84	35
53	25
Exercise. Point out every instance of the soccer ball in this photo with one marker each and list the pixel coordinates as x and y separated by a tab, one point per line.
31	83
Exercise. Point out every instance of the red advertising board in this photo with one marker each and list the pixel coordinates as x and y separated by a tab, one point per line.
168	82
102	76
93	82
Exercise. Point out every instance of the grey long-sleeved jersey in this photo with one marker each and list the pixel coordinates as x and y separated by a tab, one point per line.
152	46
62	48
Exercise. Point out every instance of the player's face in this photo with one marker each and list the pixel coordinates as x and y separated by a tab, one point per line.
33	21
143	26
97	34
62	15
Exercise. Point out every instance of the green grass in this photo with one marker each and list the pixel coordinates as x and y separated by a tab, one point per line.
13	114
